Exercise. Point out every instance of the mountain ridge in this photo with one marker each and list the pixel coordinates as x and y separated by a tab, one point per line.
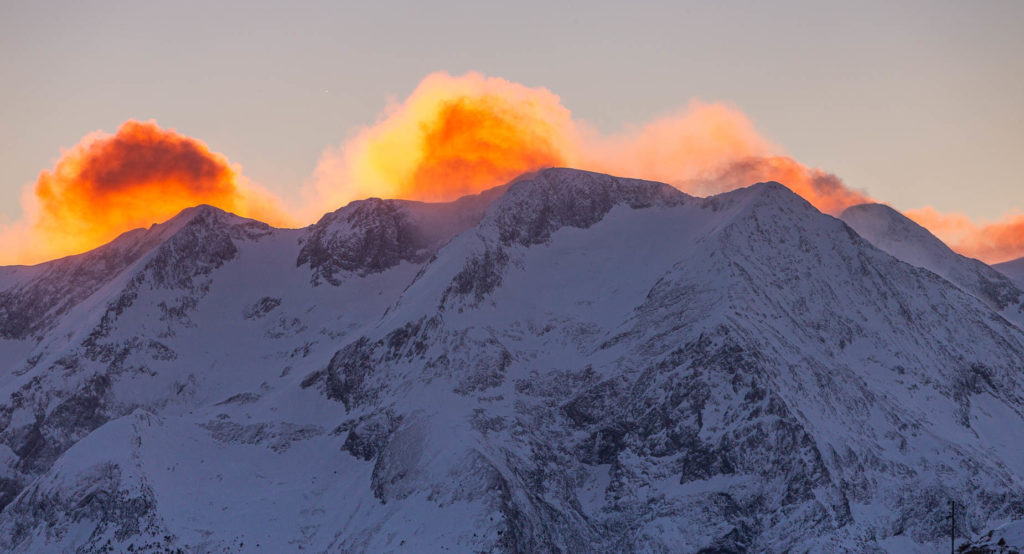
1014	269
580	363
904	239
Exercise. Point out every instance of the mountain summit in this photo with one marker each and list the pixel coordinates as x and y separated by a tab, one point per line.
1013	269
904	239
573	362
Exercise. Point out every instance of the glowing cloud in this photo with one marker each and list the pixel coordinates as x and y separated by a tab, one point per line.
451	137
991	242
680	148
454	135
824	190
108	184
459	135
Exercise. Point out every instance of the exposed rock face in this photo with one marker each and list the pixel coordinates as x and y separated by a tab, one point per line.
62	403
374	235
36	297
571	363
531	210
368	236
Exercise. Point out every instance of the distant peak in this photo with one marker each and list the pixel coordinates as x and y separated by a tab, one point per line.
768	195
882	214
565	180
199	211
534	207
772	188
569	175
873	221
560	172
874	208
1014	269
904	239
202	215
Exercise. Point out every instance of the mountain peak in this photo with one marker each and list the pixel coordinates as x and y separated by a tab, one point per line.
876	208
765	195
539	204
374	235
770	187
202	214
200	232
879	219
769	192
902	238
200	209
1014	269
896	234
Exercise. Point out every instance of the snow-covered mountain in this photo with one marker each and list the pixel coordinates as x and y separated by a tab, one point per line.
1004	539
1013	269
904	239
571	363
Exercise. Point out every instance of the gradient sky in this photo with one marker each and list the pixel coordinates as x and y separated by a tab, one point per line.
916	102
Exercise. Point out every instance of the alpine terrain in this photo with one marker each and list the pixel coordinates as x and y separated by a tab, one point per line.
572	362
1013	269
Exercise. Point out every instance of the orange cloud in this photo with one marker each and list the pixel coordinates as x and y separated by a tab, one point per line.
822	189
460	135
683	148
454	135
451	137
108	184
989	242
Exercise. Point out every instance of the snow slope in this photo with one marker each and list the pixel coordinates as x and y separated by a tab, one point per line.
1007	538
573	362
902	238
1013	269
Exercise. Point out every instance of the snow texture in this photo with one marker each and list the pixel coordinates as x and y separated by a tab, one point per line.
571	363
1013	269
906	240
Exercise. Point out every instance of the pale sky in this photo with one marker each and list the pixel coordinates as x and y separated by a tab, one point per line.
916	102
